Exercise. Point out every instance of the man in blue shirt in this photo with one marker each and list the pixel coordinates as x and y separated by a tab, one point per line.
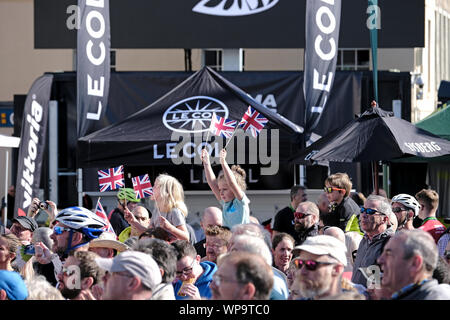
193	276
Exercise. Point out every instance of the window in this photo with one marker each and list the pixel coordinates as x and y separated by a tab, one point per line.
353	59
213	58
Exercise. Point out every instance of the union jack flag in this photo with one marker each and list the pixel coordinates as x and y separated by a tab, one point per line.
99	211
111	179
253	121
142	186
222	127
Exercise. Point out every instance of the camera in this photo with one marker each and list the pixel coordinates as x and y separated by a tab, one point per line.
43	205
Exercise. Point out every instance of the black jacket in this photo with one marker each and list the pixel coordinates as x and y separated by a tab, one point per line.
300	237
341	214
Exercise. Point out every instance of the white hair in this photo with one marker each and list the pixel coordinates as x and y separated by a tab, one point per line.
40	289
254	245
254	230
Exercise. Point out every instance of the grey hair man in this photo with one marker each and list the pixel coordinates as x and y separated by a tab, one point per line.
408	262
335	232
250	229
242	276
212	216
374	220
257	245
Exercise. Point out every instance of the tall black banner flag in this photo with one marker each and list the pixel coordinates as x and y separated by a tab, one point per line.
32	143
93	64
323	19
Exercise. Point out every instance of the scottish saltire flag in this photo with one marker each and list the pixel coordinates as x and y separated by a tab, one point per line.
111	179
99	211
222	127
142	186
253	121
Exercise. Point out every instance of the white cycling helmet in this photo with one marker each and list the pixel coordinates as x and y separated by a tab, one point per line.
408	201
82	220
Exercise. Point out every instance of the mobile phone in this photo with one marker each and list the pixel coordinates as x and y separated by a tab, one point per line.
29	249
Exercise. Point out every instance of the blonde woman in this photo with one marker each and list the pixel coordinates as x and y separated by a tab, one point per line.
9	245
171	211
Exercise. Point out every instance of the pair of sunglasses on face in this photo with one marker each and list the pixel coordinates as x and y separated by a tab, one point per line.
310	265
300	215
371	212
331	189
399	209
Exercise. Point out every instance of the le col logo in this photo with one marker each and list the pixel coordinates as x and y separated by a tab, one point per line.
233	7
193	114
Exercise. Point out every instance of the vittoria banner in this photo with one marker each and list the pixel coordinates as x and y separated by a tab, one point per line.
322	34
32	143
93	64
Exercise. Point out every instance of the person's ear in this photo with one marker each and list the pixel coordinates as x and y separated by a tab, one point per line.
249	291
3	295
12	255
161	270
134	284
416	264
337	270
87	283
77	237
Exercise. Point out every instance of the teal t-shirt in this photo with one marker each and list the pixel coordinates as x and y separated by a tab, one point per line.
235	211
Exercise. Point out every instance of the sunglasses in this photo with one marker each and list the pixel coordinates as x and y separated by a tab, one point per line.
59	230
398	209
300	215
371	212
331	189
310	265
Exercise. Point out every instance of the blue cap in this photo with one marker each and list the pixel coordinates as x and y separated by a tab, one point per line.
13	284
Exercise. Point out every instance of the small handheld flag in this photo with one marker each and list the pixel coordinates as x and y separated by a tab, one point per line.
111	179
99	211
253	121
222	127
142	186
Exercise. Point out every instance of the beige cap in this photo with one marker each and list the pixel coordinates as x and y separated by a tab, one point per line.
108	240
325	245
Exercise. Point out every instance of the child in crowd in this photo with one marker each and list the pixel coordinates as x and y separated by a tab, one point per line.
229	188
171	211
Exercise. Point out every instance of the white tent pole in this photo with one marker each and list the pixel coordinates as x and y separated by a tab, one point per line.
5	216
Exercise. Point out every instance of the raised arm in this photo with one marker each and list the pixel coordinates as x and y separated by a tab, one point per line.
229	176
209	173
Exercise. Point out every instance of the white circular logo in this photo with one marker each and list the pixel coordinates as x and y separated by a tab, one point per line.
193	114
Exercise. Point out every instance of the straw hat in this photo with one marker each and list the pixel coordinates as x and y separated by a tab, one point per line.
108	240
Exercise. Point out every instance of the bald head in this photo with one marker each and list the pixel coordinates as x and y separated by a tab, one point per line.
322	202
335	232
212	216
